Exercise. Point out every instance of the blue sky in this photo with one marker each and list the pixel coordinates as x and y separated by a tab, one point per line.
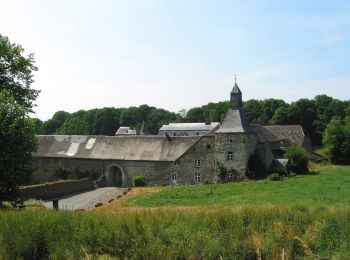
180	54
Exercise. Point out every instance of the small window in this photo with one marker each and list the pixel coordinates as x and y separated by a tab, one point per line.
229	140
177	163
197	163
230	156
198	178
230	176
173	178
208	146
197	133
174	134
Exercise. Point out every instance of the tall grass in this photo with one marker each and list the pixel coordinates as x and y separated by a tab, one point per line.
264	232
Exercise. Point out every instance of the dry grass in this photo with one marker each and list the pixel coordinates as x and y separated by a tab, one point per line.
122	205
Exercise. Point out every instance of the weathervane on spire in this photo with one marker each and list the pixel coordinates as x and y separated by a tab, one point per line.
235	78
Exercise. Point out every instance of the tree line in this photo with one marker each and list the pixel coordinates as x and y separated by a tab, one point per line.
312	114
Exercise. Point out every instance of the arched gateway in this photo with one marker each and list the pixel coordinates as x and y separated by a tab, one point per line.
115	176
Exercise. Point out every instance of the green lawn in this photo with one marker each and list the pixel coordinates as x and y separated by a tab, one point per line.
326	186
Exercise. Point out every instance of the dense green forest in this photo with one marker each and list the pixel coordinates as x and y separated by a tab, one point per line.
313	114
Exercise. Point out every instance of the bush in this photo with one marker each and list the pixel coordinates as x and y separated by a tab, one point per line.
221	171
275	177
34	203
336	141
139	181
298	160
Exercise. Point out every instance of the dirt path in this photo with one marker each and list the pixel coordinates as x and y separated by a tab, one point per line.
121	204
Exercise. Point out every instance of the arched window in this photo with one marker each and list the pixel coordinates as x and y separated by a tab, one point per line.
229	140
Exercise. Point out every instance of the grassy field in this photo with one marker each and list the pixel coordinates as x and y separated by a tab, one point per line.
245	232
324	186
303	217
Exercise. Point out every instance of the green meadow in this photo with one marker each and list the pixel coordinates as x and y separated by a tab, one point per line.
324	186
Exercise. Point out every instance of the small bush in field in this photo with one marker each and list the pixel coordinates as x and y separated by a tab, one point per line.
274	177
34	203
298	160
139	181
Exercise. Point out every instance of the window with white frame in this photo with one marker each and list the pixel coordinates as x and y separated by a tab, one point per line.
197	163
230	156
173	178
230	176
198	178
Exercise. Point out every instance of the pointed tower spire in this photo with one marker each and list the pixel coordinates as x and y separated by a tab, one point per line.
236	96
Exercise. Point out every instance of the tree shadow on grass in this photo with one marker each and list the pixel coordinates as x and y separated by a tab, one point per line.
310	173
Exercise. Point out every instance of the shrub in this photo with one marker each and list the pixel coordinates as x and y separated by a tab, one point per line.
275	177
256	168
221	171
298	160
34	203
139	181
336	140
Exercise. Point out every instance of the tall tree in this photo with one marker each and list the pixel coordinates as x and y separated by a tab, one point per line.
17	143
336	140
17	131
16	73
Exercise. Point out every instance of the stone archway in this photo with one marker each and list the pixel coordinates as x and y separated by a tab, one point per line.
115	176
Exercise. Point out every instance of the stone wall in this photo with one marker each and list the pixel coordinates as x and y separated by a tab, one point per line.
242	145
185	168
57	189
155	172
46	168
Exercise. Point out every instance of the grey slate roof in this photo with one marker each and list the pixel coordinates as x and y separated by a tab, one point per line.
236	90
265	135
125	130
291	133
235	122
189	126
135	148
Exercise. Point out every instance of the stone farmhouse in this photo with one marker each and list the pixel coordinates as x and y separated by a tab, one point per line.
181	153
